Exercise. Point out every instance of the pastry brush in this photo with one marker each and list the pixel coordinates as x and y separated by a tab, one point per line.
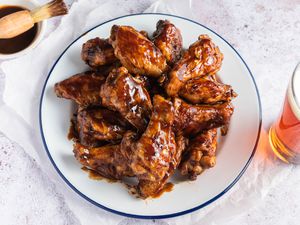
17	23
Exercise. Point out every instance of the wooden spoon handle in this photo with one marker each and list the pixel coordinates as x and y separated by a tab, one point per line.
15	24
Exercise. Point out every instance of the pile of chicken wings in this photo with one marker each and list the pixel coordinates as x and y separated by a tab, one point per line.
147	106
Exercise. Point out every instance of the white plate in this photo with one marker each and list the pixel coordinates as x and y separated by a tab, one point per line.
234	153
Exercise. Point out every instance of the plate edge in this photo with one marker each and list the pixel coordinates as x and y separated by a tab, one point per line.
155	216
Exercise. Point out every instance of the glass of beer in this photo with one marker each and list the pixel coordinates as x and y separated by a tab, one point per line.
284	135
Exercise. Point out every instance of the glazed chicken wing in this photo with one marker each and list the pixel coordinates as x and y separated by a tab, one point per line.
200	154
202	58
136	52
192	119
181	145
105	160
99	124
168	39
98	52
83	88
154	156
127	95
148	107
207	91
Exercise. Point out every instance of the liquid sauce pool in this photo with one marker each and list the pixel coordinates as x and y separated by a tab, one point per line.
167	188
16	44
96	176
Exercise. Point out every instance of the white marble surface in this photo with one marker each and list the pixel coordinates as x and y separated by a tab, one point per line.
267	34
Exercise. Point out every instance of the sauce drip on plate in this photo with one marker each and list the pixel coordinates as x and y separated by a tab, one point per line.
96	176
167	188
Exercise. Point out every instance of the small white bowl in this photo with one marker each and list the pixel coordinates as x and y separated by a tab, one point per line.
28	4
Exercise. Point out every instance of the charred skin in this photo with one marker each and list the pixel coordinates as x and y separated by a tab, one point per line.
200	154
98	125
193	119
168	39
206	91
82	88
98	52
127	95
105	160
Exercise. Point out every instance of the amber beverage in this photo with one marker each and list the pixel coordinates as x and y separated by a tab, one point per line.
284	135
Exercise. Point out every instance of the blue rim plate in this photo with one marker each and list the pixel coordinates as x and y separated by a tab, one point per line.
47	132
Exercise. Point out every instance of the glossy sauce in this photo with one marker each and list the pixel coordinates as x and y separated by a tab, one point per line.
19	43
167	188
72	134
96	176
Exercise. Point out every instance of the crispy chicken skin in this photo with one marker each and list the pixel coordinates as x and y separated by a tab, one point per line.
200	154
98	52
127	95
202	58
106	160
192	119
206	91
83	88
99	124
138	54
168	39
154	156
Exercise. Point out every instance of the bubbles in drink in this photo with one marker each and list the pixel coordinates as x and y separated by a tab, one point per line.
285	133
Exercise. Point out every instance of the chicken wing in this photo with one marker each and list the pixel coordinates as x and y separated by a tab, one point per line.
105	160
136	52
204	90
116	130
200	154
127	95
193	119
83	88
98	52
154	156
106	69
168	39
202	58
99	124
127	145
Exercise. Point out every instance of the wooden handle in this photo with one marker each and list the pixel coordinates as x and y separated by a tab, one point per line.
15	24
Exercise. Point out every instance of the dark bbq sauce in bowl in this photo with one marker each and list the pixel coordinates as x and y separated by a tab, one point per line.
19	43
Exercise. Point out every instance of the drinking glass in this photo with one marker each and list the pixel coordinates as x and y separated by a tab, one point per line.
284	135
